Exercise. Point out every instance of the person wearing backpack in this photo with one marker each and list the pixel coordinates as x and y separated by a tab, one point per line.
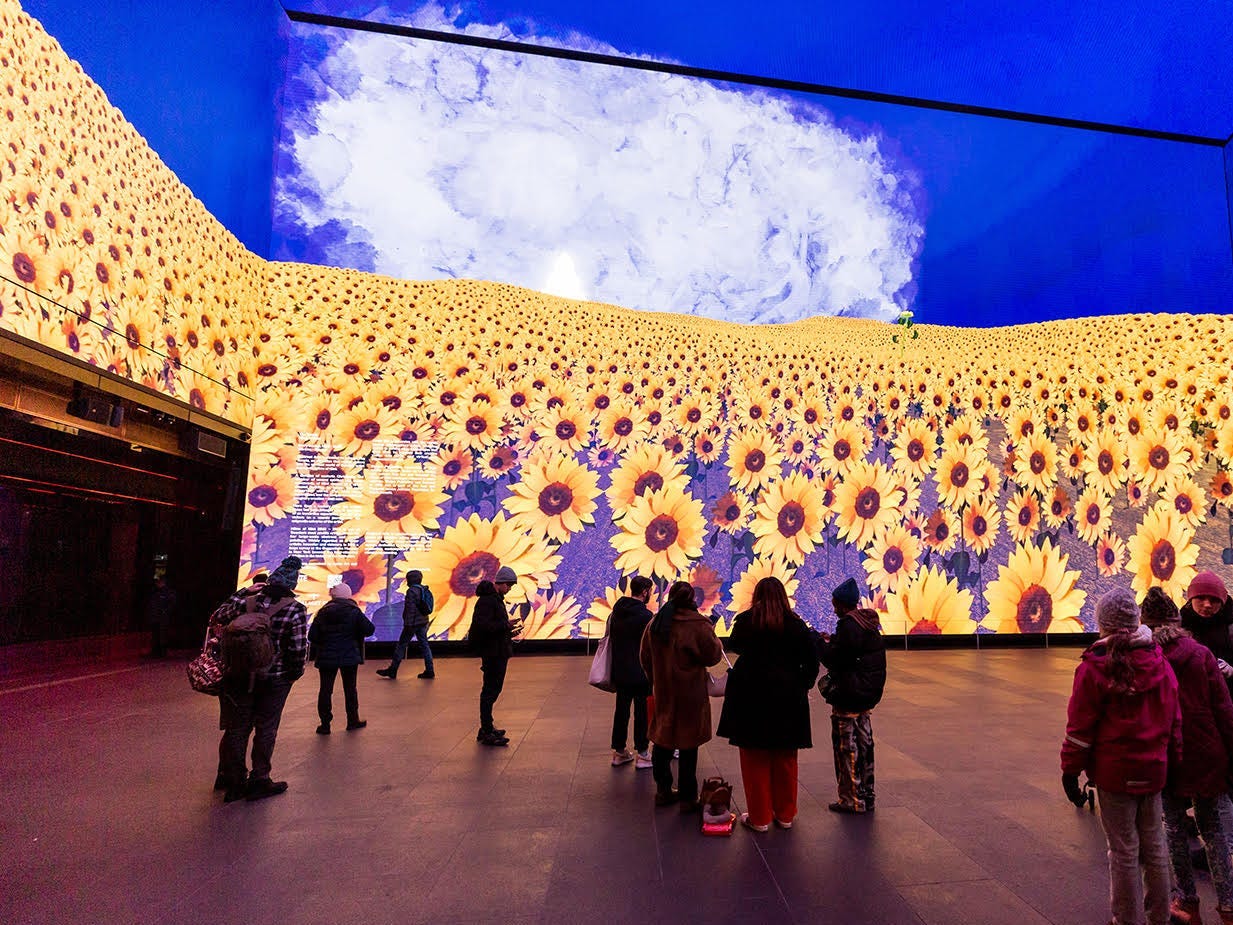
337	636
416	607
272	629
222	615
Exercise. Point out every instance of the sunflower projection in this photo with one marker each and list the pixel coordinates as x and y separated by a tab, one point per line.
972	481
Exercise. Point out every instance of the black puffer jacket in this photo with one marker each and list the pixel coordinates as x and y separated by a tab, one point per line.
625	627
1213	631
338	633
856	660
491	634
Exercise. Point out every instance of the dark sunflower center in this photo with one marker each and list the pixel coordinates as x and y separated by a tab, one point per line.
23	266
323	419
102	273
565	430
648	481
452	467
262	495
959	475
811	416
1104	462
132	335
661	533
393	505
1092	515
267	369
694	415
980	526
755	460
1025	515
353	578
941	532
470	571
1034	612
624	427
843	450
731	513
1183	504
1164	560
892	560
1108	556
868	502
916	450
351	369
602	402
791	519
1158	457
1036	462
517	400
367	430
476	425
556	499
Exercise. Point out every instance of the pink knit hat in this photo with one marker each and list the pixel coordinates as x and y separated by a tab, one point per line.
1208	584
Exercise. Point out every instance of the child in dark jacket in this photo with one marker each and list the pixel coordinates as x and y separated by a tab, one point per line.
1201	781
337	636
1124	728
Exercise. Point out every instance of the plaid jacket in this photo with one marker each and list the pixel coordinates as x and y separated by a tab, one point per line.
288	629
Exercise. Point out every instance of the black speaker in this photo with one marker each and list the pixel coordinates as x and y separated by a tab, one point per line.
96	408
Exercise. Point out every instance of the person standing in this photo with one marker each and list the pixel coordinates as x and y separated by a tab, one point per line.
677	648
1208	616
855	658
1201	781
492	636
252	706
1124	728
416	606
159	611
227	611
337	636
629	619
766	705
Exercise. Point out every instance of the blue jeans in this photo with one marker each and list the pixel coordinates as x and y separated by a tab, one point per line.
409	633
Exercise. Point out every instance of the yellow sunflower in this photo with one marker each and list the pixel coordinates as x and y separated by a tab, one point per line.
1186	497
914	450
552	616
1036	463
956	469
363	573
1105	463
271	495
661	533
1023	516
565	428
474	424
1162	553
1059	507
595	624
1035	593
647	468
621	425
356	428
789	520
1221	487
864	502
730	513
754	459
555	498
843	447
740	595
981	522
892	559
471	551
941	531
1110	554
1156	459
1093	515
930	603
454	465
396	499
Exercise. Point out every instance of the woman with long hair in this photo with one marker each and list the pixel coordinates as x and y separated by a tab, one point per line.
766	708
677	648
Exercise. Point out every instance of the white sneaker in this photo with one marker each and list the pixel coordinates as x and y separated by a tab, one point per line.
644	760
620	758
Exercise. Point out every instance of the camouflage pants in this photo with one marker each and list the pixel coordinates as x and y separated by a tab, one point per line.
852	737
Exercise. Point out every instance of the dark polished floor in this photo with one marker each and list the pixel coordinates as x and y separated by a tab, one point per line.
108	815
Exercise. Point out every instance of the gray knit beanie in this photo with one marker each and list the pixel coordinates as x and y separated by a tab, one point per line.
1117	610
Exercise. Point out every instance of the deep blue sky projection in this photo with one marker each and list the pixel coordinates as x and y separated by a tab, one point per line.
1019	221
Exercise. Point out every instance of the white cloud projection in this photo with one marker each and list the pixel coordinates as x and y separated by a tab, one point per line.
423	159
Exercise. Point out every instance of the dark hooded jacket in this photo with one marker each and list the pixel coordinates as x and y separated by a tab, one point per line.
1125	741
855	658
1207	717
625	628
337	634
491	634
766	704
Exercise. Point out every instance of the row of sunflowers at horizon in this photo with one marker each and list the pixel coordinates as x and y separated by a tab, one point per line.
104	255
992	480
996	477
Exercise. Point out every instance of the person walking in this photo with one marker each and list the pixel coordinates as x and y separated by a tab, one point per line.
766	705
1201	781
855	658
252	704
416	606
337	636
1124	729
629	619
677	648
492	637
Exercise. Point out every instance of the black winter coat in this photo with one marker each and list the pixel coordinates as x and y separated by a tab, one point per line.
411	616
1213	631
767	700
491	634
338	633
856	660
625	627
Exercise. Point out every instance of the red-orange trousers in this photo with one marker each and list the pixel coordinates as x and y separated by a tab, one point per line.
769	776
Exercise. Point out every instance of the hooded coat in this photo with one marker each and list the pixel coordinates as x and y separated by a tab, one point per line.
1125	741
1213	632
855	658
337	634
1207	717
676	665
491	635
766	704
